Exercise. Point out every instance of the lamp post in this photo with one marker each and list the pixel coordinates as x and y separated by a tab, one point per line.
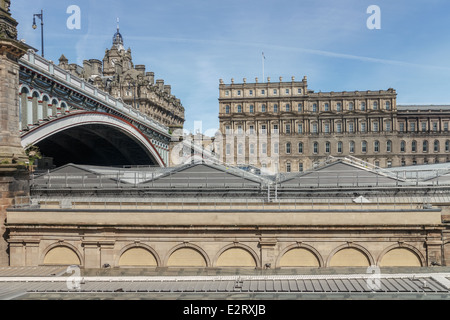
40	16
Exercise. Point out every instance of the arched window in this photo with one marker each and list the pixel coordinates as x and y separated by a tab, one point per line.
436	145
447	145
327	147
316	147
414	146
364	146
425	146
339	147
402	146
376	146
288	148
389	146
352	146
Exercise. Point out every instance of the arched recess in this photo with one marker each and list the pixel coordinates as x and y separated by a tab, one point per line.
138	255
350	255
402	255
187	255
89	133
299	255
61	254
237	255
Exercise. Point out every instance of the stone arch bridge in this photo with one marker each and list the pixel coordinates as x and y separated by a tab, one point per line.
71	120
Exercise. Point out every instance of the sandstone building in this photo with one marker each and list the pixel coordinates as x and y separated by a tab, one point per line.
118	76
287	127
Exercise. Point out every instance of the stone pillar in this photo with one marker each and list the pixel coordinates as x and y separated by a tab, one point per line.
14	178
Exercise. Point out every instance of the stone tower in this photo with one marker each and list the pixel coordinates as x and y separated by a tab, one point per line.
14	177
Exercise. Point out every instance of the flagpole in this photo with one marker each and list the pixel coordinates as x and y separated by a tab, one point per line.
263	58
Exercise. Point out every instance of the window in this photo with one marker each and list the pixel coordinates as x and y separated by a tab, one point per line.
387	127
228	149
447	145
435	126
446	126
227	93
425	146
252	148
351	127
316	147
352	146
300	147
414	146
375	105
263	129
424	126
389	164
327	147
339	127
350	106
227	109
436	146
227	130
364	146
363	127
263	108
300	107
275	108
388	105
252	109
314	107
263	91
375	127
239	109
339	147
300	128
326	107
288	107
389	146
300	167
377	163
299	91
402	146
250	92
275	128
412	125
275	148
403	163
240	149
274	91
327	128
239	129
288	148
252	129
363	106
288	128
239	92
376	146
264	148
287	91
401	127
288	167
314	127
338	107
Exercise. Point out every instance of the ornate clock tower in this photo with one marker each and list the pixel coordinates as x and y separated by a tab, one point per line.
14	176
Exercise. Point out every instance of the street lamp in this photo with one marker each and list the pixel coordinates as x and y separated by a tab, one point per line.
40	16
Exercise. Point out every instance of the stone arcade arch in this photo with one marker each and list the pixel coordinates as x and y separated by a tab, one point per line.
61	254
187	255
138	256
401	256
237	256
299	256
350	255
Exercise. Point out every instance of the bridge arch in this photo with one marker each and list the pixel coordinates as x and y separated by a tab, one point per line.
95	138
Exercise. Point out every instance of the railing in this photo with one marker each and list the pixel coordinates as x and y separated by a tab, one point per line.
44	65
348	203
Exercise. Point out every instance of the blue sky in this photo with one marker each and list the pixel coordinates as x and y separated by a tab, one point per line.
191	44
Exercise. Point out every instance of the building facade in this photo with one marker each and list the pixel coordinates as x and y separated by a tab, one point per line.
284	126
118	76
